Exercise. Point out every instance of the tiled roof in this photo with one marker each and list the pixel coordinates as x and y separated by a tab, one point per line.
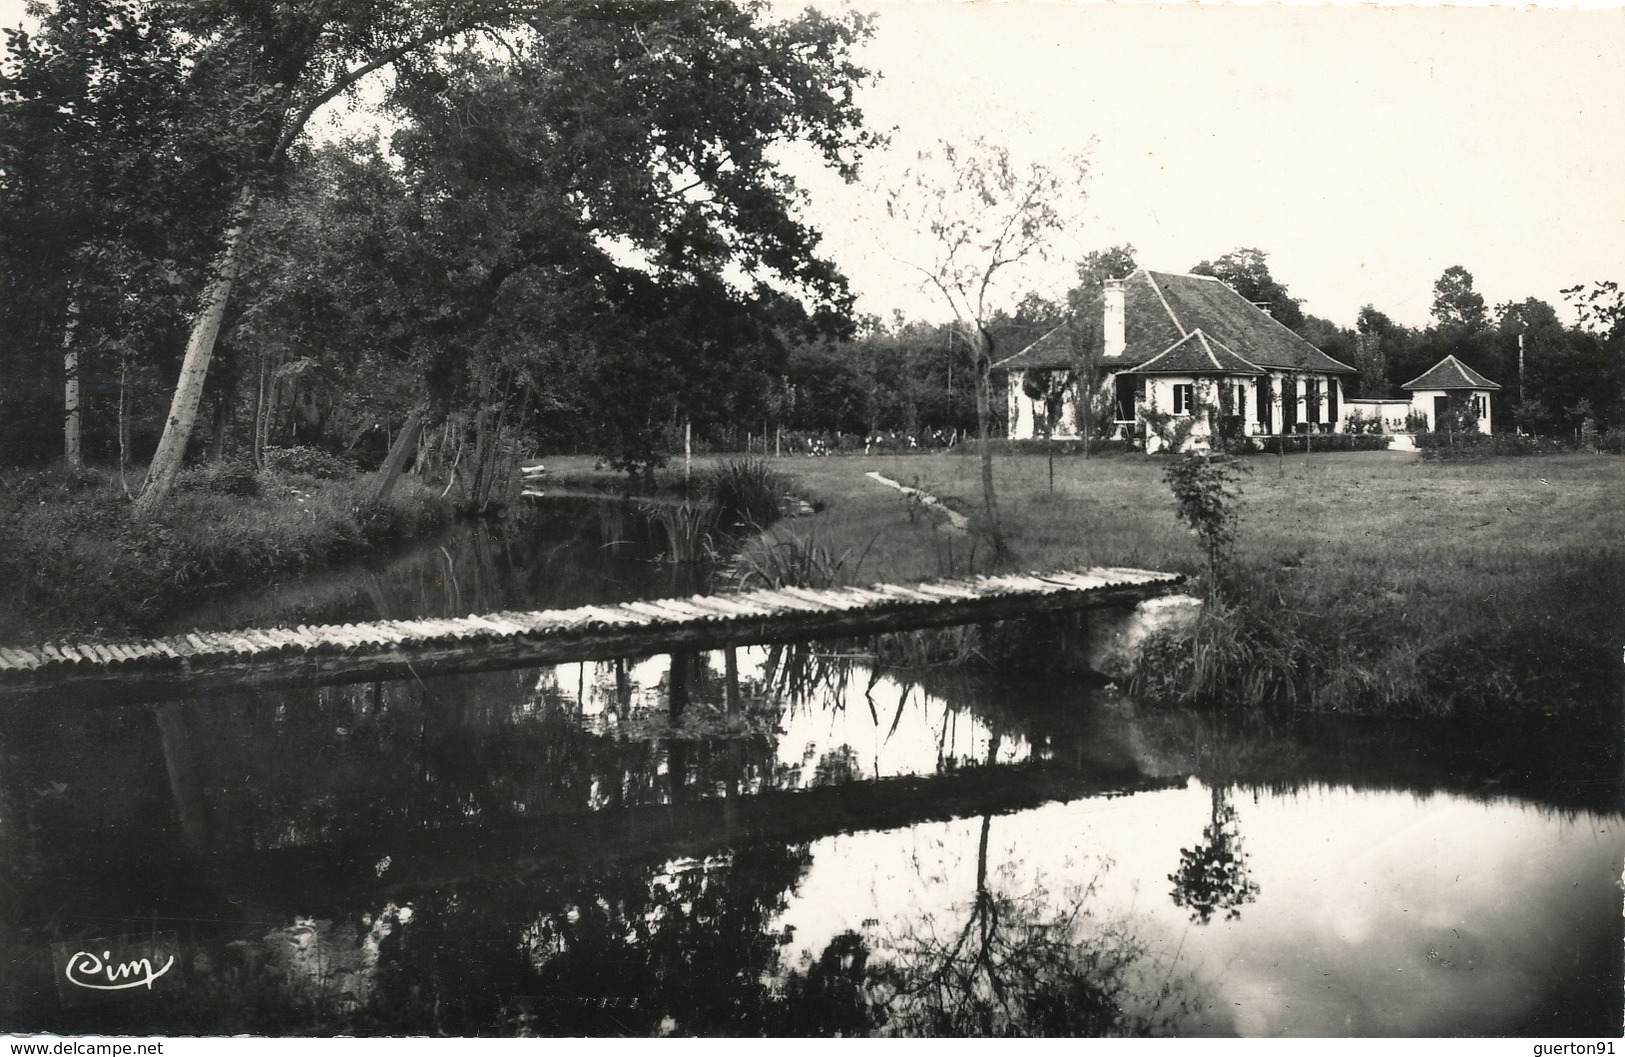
1450	373
1161	309
1196	353
1202	302
1052	350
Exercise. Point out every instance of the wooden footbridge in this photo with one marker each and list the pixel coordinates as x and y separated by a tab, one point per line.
268	658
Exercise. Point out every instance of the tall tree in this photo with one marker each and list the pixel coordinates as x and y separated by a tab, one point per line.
99	183
988	217
1086	320
1247	271
608	69
1456	305
1376	336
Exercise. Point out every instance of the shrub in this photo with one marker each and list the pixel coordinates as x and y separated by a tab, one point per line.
231	477
747	491
1205	489
1053	445
308	462
1322	442
1445	446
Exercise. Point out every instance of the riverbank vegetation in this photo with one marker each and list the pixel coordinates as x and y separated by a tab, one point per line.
1360	582
73	561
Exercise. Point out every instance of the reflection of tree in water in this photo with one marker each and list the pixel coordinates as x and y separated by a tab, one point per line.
620	952
1022	964
1213	875
1035	963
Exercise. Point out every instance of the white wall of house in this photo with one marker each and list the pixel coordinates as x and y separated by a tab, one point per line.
1160	393
1423	400
1186	396
1391	413
1025	412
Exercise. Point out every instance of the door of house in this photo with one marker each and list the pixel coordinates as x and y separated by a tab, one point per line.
1266	406
1441	408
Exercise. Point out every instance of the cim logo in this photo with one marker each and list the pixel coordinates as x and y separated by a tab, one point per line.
100	970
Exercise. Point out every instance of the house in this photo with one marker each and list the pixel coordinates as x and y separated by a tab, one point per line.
1450	380
1179	357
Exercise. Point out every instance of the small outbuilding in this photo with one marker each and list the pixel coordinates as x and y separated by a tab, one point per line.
1451	383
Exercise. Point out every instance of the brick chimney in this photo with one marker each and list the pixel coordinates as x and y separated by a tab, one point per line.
1114	325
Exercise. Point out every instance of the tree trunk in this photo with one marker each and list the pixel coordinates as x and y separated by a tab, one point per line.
397	455
171	453
123	417
217	428
71	451
984	415
258	445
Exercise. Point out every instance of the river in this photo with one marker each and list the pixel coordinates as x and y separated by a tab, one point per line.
792	843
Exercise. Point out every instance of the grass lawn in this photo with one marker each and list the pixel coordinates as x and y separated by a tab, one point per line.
1392	582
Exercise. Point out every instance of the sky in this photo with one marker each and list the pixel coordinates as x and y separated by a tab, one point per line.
1365	149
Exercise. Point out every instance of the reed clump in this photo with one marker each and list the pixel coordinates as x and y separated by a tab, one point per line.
789	560
747	491
689	527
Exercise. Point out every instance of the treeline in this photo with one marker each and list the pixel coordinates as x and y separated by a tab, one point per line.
1555	378
571	236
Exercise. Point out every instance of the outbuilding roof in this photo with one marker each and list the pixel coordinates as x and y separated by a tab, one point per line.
1450	373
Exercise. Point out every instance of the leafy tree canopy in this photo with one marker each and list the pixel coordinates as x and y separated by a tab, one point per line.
1456	305
1247	271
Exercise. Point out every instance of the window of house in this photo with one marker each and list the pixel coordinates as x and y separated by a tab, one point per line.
1311	399
1184	398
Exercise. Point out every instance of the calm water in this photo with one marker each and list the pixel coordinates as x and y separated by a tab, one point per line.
792	844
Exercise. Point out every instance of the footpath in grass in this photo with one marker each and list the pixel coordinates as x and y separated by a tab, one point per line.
74	562
1373	581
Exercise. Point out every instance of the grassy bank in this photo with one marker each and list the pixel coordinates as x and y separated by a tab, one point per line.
1364	582
73	561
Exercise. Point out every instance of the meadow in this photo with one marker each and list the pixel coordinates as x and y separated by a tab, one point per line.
1361	581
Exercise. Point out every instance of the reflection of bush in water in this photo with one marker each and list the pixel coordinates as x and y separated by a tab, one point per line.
1213	875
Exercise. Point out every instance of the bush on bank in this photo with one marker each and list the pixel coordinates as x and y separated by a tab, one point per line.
73	560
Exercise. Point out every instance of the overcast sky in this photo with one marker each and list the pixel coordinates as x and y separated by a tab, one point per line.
1365	149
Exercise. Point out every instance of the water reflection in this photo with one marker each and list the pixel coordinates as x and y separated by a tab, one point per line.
785	841
1213	875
